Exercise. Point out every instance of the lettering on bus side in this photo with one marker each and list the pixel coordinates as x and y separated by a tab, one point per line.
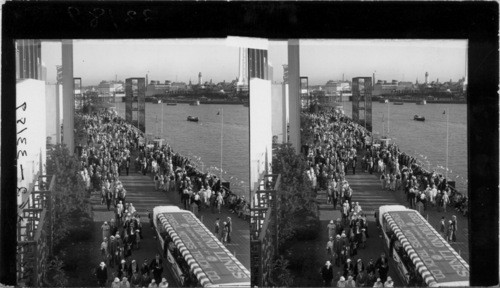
455	264
204	264
230	265
430	235
398	220
172	220
412	239
187	240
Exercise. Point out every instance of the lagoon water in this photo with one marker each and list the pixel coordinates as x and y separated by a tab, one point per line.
201	141
426	140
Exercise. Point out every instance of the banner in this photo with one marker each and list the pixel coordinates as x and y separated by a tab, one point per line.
440	259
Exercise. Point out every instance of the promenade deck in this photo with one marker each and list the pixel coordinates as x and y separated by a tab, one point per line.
141	193
367	190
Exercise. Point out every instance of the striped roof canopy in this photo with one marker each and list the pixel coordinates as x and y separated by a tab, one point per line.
208	258
437	262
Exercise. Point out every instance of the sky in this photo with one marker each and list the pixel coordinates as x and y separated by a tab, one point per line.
97	60
320	60
402	60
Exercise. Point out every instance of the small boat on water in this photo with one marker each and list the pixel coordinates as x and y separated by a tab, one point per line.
422	102
192	119
195	103
418	118
171	103
383	100
399	103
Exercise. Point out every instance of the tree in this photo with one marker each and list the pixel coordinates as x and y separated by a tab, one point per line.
280	275
69	196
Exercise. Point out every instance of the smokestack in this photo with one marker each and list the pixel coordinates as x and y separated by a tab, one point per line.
342	77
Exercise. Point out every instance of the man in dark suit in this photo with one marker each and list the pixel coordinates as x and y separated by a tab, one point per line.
229	226
156	266
327	274
122	270
102	275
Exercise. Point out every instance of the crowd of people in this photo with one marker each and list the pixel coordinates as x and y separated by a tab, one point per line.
333	146
173	172
107	156
114	147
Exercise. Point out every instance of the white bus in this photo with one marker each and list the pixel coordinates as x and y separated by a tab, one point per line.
418	249
194	255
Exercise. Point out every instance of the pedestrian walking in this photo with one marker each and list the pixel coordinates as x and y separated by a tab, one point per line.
106	230
152	284
445	200
163	284
135	281
217	226
224	233
443	227
156	267
124	283
382	181
219	201
371	279
122	270
116	283
382	266
104	249
337	250
389	282
341	282
229	226
361	279
449	231
102	275
378	284
454	229
348	268
329	249
145	280
127	164
156	180
350	282
327	274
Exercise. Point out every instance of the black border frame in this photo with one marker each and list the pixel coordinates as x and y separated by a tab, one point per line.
475	21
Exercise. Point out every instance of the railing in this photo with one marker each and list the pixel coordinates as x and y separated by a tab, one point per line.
264	230
34	232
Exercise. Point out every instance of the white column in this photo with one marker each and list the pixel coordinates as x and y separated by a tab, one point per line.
284	114
294	92
68	95
58	114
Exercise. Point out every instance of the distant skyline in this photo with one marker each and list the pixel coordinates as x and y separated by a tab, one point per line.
320	60
402	60
97	60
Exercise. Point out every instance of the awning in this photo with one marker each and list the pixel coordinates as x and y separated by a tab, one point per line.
208	258
433	257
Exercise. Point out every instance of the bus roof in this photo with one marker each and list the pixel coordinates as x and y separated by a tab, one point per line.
437	262
208	258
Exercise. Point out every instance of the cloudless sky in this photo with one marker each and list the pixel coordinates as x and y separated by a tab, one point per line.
320	60
97	60
323	60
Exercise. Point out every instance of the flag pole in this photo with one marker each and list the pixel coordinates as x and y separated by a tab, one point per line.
388	119
221	139
161	102
447	140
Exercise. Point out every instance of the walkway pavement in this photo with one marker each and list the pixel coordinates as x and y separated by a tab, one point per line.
368	192
141	193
